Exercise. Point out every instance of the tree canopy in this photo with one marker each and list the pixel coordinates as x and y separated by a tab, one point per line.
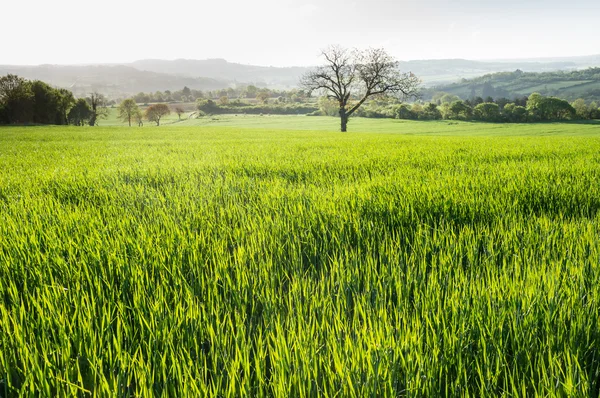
155	112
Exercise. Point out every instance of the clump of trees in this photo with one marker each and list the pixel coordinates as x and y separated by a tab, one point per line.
535	108
249	93
210	107
25	102
35	102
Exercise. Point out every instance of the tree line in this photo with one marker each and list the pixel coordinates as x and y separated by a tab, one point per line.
224	96
35	102
535	108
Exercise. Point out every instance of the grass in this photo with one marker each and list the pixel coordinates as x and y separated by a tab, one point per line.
212	259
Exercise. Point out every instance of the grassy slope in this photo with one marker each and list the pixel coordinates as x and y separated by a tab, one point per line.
416	259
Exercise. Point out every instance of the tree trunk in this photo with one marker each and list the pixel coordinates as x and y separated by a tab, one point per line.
129	120
343	120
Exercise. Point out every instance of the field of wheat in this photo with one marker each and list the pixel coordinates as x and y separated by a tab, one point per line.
223	261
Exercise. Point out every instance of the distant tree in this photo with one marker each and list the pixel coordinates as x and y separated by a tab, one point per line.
98	108
477	100
207	106
179	111
488	91
327	106
141	98
549	108
139	117
223	100
515	113
251	91
186	91
361	74
155	112
80	113
263	96
594	110
581	109
458	110
16	99
430	112
403	111
45	103
65	102
442	97
535	105
502	102
127	110
488	112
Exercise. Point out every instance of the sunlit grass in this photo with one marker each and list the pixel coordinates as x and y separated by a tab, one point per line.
205	261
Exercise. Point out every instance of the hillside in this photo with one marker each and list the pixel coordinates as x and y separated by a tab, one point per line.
153	75
111	80
432	71
568	85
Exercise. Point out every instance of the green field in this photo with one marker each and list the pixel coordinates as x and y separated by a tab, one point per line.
274	256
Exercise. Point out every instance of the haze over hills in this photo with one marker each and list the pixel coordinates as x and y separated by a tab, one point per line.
150	75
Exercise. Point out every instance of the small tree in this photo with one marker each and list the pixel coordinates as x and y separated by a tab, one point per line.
98	108
127	110
139	117
155	112
179	111
263	96
349	75
80	113
581	109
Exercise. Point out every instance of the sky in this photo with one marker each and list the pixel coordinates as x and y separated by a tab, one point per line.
292	32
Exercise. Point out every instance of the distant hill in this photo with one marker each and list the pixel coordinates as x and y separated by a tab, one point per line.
432	72
568	85
211	74
112	80
266	76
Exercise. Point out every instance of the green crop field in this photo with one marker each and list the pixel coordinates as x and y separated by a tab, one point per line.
210	258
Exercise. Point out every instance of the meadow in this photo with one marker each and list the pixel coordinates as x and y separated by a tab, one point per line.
212	257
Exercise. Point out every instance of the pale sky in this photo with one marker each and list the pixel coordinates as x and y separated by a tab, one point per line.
291	32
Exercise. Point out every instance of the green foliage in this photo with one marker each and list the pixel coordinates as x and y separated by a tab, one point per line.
278	263
207	106
328	107
487	112
403	111
128	110
568	85
515	113
80	113
23	102
549	108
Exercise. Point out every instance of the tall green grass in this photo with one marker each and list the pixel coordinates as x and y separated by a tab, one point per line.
230	262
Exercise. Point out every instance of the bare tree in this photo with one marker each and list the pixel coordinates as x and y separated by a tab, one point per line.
350	77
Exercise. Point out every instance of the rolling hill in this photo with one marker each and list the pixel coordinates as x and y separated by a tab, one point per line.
158	75
569	85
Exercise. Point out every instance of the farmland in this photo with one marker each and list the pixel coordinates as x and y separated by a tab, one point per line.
211	257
